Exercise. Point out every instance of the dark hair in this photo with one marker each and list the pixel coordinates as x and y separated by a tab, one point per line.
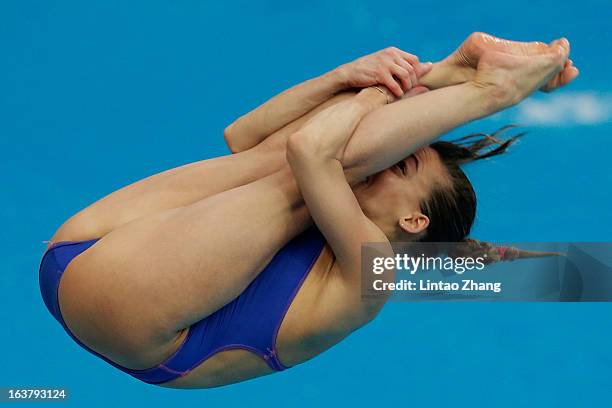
452	209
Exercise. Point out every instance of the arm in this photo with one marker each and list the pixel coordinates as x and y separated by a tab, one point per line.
318	151
252	128
393	132
315	155
390	67
255	126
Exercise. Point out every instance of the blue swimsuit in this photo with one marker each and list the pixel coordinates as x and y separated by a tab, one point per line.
250	322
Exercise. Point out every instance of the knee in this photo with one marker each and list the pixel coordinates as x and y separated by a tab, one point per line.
230	140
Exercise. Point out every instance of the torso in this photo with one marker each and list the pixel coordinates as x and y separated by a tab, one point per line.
322	314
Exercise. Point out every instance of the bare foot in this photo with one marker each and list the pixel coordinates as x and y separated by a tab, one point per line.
514	77
567	74
474	47
470	51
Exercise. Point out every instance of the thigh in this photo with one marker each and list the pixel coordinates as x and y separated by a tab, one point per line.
173	188
144	282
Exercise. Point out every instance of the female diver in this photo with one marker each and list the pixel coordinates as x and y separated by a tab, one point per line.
211	273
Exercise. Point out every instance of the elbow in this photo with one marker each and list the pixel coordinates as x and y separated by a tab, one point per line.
303	147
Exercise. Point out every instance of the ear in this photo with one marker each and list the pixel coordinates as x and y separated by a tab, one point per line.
414	223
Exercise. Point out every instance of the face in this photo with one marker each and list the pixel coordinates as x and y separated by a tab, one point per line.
392	198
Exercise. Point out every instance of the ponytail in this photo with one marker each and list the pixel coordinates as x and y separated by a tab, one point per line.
491	253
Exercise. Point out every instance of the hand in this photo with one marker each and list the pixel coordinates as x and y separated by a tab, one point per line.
514	77
397	70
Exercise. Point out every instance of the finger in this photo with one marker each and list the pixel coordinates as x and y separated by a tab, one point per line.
417	90
412	68
393	86
404	76
422	69
410	74
403	63
412	59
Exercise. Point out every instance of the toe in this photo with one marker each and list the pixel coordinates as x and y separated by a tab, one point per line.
568	75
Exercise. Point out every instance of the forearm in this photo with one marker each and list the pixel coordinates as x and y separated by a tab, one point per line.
252	128
325	136
393	132
255	126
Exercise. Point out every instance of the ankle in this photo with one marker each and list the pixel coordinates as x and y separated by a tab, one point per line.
446	73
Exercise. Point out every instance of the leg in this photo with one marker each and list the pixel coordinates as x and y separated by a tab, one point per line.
170	189
183	185
460	66
175	267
